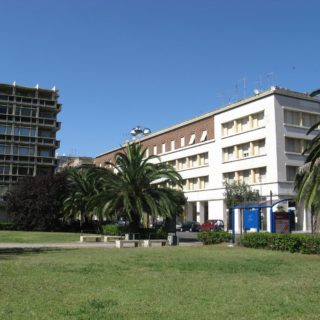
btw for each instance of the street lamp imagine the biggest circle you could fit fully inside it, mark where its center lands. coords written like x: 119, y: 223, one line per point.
x: 139, y: 132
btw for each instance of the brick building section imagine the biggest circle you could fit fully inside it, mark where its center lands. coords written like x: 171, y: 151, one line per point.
x: 175, y: 134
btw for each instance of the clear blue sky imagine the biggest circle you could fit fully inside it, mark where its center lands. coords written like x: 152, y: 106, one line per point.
x: 154, y: 63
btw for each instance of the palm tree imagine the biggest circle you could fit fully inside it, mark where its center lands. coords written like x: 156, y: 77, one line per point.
x: 83, y: 185
x: 307, y: 182
x: 137, y: 185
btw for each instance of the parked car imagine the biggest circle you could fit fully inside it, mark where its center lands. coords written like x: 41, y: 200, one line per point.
x: 212, y: 225
x: 122, y: 223
x: 178, y: 226
x: 192, y: 226
x: 157, y: 224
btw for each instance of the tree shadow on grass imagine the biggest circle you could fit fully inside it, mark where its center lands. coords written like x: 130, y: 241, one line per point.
x: 11, y: 253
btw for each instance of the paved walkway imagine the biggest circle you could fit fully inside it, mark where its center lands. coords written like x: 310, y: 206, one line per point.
x: 75, y: 245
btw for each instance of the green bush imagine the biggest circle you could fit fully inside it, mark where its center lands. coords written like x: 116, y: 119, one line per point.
x: 308, y: 244
x: 111, y: 230
x: 214, y: 237
x: 147, y: 233
x: 6, y: 226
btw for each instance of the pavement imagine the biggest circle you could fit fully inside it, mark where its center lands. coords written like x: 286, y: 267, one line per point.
x: 187, y: 239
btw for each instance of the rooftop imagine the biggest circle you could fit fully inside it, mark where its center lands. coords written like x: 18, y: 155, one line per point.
x: 259, y: 95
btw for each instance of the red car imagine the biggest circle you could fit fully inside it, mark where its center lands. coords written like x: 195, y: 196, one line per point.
x: 212, y: 225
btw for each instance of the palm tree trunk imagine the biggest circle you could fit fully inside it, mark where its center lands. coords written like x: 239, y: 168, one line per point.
x: 134, y: 223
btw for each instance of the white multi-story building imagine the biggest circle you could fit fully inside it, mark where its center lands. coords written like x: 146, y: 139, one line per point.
x: 258, y: 140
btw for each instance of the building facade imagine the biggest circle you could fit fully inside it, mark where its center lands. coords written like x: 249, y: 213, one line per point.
x: 65, y: 162
x: 28, y: 127
x: 258, y: 140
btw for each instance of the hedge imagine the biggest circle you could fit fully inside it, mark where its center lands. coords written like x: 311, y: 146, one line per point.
x: 114, y: 230
x: 6, y: 226
x: 214, y: 237
x: 308, y: 244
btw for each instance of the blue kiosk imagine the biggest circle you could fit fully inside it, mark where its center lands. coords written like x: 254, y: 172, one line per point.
x: 249, y: 214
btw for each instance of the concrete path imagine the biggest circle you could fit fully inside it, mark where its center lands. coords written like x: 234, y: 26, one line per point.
x: 75, y: 245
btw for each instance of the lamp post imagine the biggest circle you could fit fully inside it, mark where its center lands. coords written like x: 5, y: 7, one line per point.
x: 139, y: 132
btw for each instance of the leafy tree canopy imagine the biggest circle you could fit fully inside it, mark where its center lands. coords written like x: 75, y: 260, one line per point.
x: 35, y: 203
x: 239, y: 192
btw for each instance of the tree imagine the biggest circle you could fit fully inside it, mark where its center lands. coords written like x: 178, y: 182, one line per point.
x: 137, y: 185
x: 82, y: 186
x: 35, y: 203
x: 239, y: 192
x: 307, y: 182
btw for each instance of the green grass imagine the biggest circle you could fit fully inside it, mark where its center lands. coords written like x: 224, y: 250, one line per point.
x: 37, y: 237
x: 160, y: 283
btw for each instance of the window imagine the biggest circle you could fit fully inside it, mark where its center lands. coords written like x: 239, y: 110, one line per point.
x: 3, y: 109
x: 246, y: 176
x: 172, y: 145
x: 154, y: 150
x: 260, y: 117
x: 245, y: 150
x: 22, y: 171
x: 244, y: 124
x: 203, y: 159
x: 292, y: 117
x: 44, y: 153
x: 182, y: 164
x: 203, y: 182
x: 4, y: 169
x: 23, y: 151
x: 291, y: 172
x: 4, y: 149
x: 23, y: 131
x: 229, y: 177
x: 184, y: 185
x: 228, y: 154
x: 261, y: 146
x: 261, y: 174
x: 46, y: 115
x: 193, y: 183
x: 172, y: 163
x: 5, y: 129
x: 206, y: 158
x: 305, y: 144
x: 307, y: 120
x: 182, y: 142
x: 25, y: 112
x: 147, y: 152
x: 163, y: 148
x: 192, y: 161
x: 45, y: 133
x: 204, y: 136
x: 192, y: 138
x: 293, y: 145
x: 227, y: 129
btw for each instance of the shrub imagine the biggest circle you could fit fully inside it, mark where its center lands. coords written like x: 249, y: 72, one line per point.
x: 6, y: 226
x: 308, y: 244
x: 144, y: 233
x: 111, y: 230
x: 214, y: 237
x: 151, y: 233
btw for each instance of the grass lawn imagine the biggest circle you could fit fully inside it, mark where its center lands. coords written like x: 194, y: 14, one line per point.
x: 37, y: 237
x: 213, y: 282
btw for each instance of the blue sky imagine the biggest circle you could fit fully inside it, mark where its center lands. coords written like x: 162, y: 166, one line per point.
x: 154, y: 63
